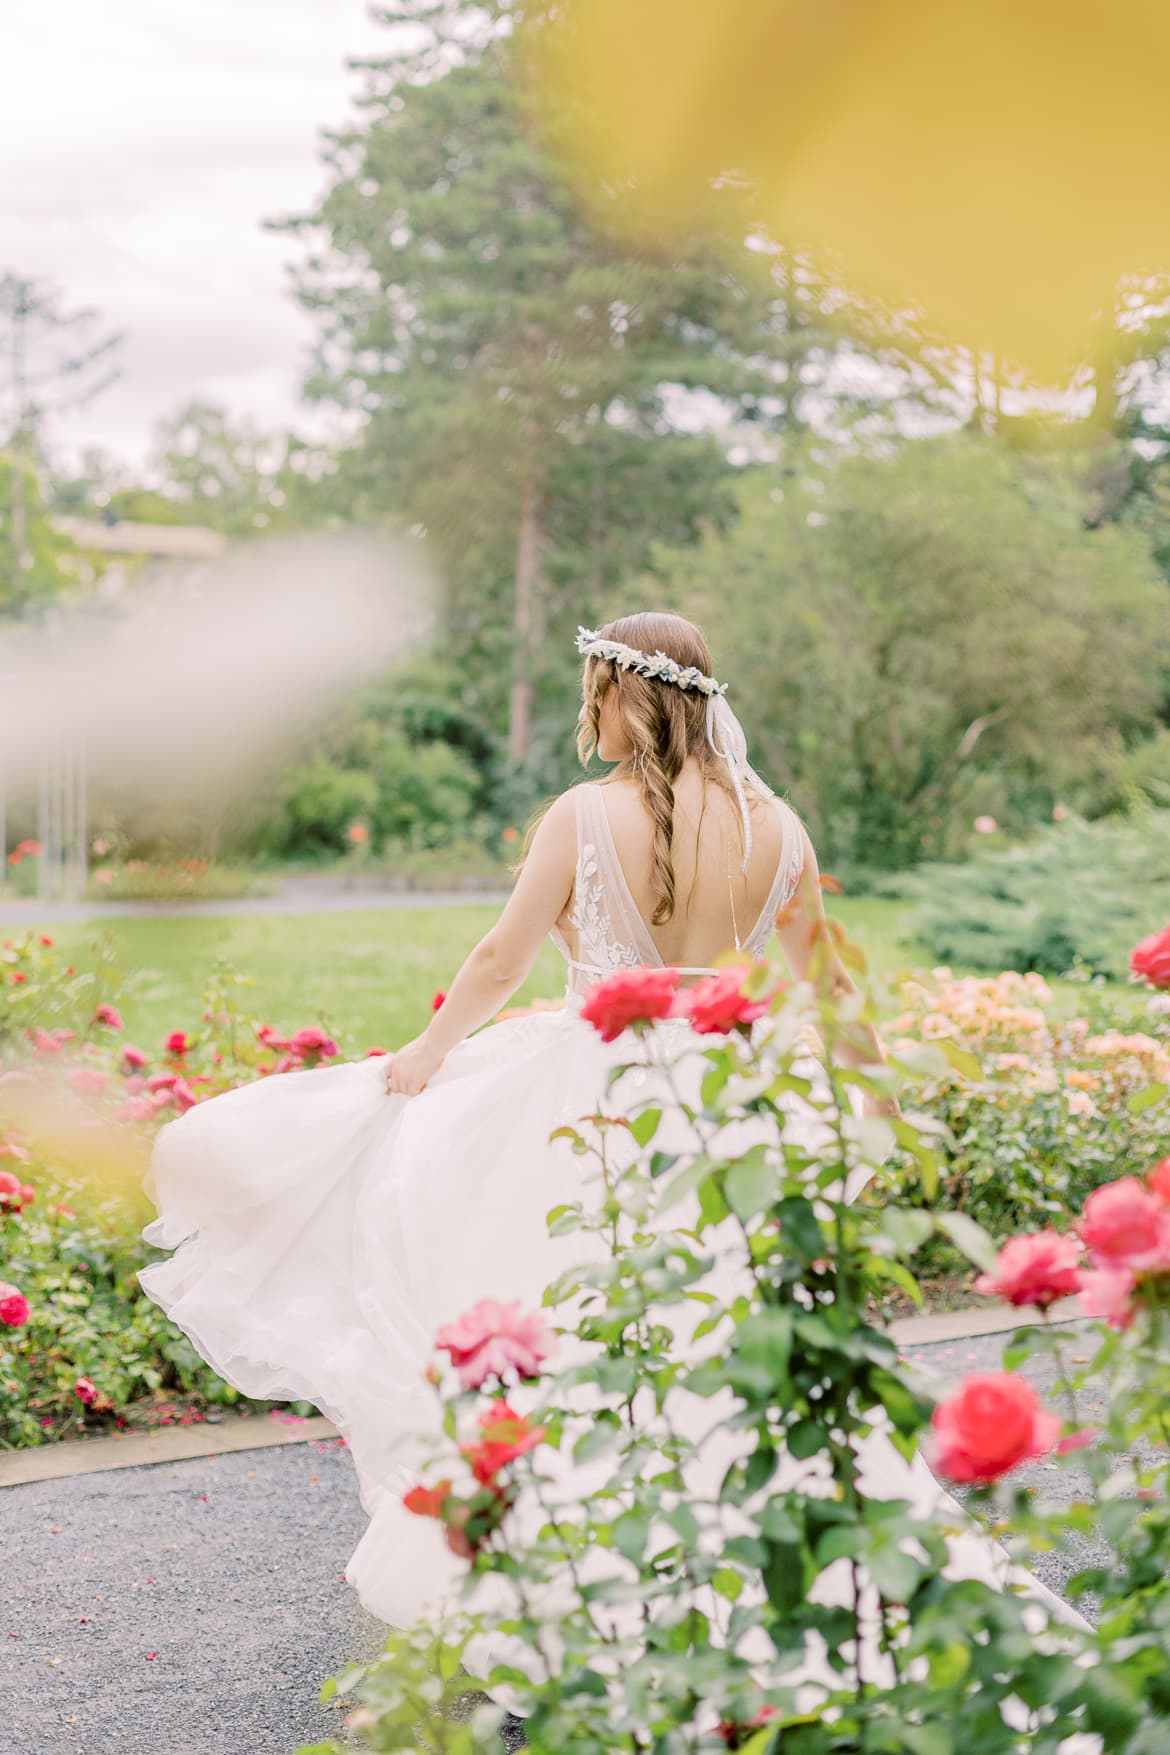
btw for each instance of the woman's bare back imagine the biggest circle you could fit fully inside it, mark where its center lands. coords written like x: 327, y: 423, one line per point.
x: 714, y: 900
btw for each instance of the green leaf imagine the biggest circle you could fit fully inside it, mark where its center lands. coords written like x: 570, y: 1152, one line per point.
x: 805, y: 1438
x: 882, y: 1269
x: 960, y: 1058
x: 645, y: 1126
x: 895, y: 1574
x: 728, y: 1583
x: 604, y: 1435
x: 971, y: 1238
x: 750, y: 1186
x: 799, y: 1226
x: 630, y: 1532
x: 1139, y: 1101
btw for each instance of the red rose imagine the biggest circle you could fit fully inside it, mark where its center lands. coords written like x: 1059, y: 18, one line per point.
x: 490, y: 1339
x: 437, y: 999
x: 85, y: 1391
x: 45, y: 939
x: 1124, y: 1225
x: 504, y: 1436
x: 1151, y: 958
x: 14, y: 1306
x: 630, y: 998
x: 177, y: 1042
x: 1035, y: 1269
x: 718, y: 1003
x: 427, y: 1501
x: 991, y: 1425
x: 17, y: 976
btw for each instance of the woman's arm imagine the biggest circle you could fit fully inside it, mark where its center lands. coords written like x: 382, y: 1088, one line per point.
x: 811, y: 953
x: 502, y: 959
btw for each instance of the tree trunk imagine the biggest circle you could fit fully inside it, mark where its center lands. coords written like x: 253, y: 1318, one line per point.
x: 527, y: 620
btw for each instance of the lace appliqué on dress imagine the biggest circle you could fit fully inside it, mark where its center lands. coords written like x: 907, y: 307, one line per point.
x: 598, y: 942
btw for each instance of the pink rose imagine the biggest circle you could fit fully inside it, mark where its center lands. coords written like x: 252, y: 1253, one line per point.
x: 10, y: 1192
x: 161, y: 1081
x: 266, y: 1034
x: 1151, y: 958
x: 1124, y: 1225
x: 991, y: 1425
x: 44, y: 1042
x: 183, y: 1096
x: 107, y: 1014
x: 137, y: 1109
x: 85, y: 1391
x: 313, y: 1040
x: 1037, y: 1268
x: 490, y: 1339
x: 1158, y: 1180
x: 718, y: 1003
x: 628, y: 999
x: 14, y: 1306
x: 132, y: 1058
x: 1107, y: 1295
x: 87, y: 1078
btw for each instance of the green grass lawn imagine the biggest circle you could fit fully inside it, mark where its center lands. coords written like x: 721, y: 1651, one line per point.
x: 368, y: 975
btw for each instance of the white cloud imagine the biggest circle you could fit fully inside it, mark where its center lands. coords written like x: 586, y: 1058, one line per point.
x: 144, y: 147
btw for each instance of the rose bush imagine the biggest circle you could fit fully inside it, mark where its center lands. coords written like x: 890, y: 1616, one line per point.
x: 81, y: 1348
x: 1035, y: 1110
x: 641, y: 1601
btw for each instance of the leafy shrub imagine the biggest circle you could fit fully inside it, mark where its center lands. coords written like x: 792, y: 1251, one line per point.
x: 1036, y: 1111
x: 78, y: 1108
x: 1079, y: 893
x: 89, y: 1322
x: 425, y: 795
x: 319, y: 804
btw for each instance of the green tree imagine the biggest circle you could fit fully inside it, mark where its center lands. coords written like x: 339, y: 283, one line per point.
x: 543, y: 400
x: 922, y: 636
x: 223, y: 471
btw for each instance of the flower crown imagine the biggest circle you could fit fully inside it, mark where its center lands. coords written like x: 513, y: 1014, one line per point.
x: 657, y: 664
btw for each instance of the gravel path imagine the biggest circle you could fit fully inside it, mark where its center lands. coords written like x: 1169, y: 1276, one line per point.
x: 228, y: 1570
x: 294, y: 895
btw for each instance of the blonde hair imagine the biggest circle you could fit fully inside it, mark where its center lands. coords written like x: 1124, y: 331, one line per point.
x: 664, y: 725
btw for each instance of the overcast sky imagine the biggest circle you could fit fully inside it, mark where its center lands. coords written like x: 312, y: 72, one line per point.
x: 142, y: 143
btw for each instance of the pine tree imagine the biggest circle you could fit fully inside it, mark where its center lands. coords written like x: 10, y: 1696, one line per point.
x: 545, y: 401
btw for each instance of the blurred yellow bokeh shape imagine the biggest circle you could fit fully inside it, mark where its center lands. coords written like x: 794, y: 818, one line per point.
x: 998, y: 165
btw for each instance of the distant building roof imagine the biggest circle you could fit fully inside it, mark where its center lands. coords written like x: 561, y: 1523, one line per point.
x: 187, y: 541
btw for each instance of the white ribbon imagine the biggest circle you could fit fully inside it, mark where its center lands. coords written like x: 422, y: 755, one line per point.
x: 728, y: 739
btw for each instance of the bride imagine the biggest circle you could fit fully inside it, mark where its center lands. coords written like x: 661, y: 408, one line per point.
x: 326, y: 1224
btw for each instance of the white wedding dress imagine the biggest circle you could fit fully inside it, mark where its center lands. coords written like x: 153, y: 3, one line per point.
x: 323, y: 1230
